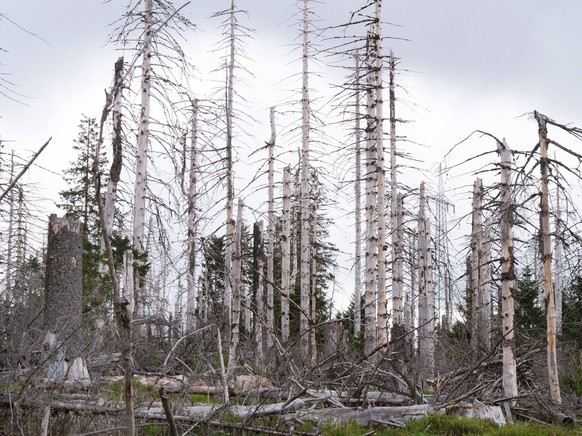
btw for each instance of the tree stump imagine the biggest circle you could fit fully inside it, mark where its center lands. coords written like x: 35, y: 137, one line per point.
x: 64, y: 303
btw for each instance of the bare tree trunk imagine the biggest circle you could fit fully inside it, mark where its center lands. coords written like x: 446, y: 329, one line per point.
x: 559, y: 267
x: 553, y: 379
x: 142, y: 149
x: 476, y: 241
x: 259, y: 265
x: 371, y: 229
x: 117, y: 143
x: 236, y: 296
x: 396, y: 219
x: 192, y: 224
x: 271, y: 234
x: 425, y: 297
x: 485, y: 288
x: 382, y: 309
x: 410, y: 306
x: 358, y: 206
x: 230, y: 224
x: 313, y: 312
x: 507, y: 274
x: 286, y: 255
x: 305, y: 243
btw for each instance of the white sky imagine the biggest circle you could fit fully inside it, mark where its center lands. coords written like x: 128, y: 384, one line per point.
x: 470, y: 65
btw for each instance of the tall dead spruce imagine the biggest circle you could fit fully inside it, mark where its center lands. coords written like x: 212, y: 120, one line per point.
x: 506, y: 218
x: 553, y: 378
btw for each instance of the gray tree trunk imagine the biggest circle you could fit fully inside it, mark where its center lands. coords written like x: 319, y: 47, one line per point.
x: 553, y: 379
x: 286, y: 255
x: 381, y: 198
x: 192, y: 224
x: 305, y: 226
x: 271, y: 233
x: 507, y: 274
x: 426, y: 343
x: 358, y: 206
x: 371, y: 228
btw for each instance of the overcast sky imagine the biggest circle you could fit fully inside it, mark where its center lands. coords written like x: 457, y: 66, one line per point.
x: 466, y: 65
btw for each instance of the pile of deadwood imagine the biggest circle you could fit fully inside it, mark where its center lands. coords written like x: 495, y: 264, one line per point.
x: 369, y: 393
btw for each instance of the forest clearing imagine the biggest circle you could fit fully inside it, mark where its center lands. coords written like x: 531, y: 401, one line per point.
x: 322, y: 279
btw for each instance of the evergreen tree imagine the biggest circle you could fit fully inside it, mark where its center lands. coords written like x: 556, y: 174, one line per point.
x: 79, y: 203
x: 529, y: 317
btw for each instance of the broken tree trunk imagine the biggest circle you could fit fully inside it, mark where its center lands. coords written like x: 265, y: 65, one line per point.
x: 64, y: 303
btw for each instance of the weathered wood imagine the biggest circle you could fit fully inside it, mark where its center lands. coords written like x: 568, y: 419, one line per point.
x: 168, y: 411
x: 553, y: 379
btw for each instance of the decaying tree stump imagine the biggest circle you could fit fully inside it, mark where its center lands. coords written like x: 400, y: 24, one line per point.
x: 63, y: 303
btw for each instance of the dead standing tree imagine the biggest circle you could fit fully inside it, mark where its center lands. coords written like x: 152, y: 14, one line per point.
x: 64, y: 302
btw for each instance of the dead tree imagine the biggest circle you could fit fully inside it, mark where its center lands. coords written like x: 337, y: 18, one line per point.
x: 506, y: 218
x: 426, y: 340
x: 371, y: 228
x: 271, y: 232
x: 553, y: 378
x: 286, y: 255
x: 64, y: 302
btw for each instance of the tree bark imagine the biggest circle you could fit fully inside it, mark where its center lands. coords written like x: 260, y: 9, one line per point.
x: 64, y: 302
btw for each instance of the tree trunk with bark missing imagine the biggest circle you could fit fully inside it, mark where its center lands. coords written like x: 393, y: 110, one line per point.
x: 271, y: 233
x: 485, y: 288
x: 507, y: 274
x: 396, y: 213
x: 381, y: 198
x: 230, y: 224
x: 476, y: 242
x: 305, y: 226
x: 371, y: 228
x: 313, y: 307
x: 426, y: 340
x: 358, y: 205
x: 117, y: 145
x: 258, y: 271
x: 192, y: 223
x: 558, y: 264
x: 236, y: 296
x: 286, y: 255
x: 142, y: 149
x: 553, y: 379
